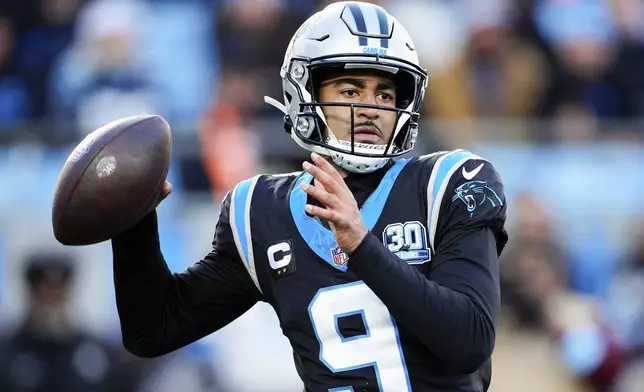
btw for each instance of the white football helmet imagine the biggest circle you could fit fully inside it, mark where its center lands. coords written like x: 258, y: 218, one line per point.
x: 350, y: 35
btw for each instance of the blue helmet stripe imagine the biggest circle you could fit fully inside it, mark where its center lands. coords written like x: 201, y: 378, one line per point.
x: 361, y: 26
x: 384, y: 26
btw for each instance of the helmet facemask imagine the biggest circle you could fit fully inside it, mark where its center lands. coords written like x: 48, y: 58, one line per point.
x: 309, y: 126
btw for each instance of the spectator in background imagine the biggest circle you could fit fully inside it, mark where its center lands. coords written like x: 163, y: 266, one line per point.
x: 562, y: 340
x: 44, y: 29
x: 14, y: 96
x: 596, y: 69
x: 252, y: 36
x: 100, y: 78
x: 628, y: 16
x: 48, y: 352
x: 625, y: 307
x: 479, y: 67
x: 501, y: 73
x: 229, y: 152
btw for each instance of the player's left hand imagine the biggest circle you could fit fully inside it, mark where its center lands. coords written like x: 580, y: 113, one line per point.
x: 341, y: 210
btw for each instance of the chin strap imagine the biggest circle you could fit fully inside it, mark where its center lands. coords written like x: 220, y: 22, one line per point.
x: 275, y: 103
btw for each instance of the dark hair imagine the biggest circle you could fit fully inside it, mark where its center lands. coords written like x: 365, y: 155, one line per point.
x: 49, y: 267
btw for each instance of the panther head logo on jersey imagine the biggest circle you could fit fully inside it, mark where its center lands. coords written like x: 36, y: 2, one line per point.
x: 476, y: 193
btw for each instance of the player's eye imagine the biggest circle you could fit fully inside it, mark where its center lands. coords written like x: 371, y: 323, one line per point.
x: 349, y: 93
x: 386, y: 96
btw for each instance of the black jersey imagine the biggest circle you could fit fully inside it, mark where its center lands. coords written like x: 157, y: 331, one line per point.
x: 413, y: 308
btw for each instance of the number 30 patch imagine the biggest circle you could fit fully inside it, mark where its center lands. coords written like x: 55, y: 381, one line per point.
x: 408, y: 241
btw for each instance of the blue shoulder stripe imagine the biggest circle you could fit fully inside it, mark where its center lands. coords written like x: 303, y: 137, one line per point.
x: 442, y: 173
x: 240, y: 205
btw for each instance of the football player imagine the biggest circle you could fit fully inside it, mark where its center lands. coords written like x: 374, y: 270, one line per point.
x: 383, y: 272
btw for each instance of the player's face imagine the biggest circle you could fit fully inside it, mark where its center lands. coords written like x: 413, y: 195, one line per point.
x: 372, y: 126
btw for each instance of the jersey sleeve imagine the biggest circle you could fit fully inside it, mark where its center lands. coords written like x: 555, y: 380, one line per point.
x: 160, y: 311
x: 465, y: 193
x: 450, y: 308
x: 467, y: 208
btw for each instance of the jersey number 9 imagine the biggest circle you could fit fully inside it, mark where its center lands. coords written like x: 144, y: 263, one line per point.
x: 378, y: 347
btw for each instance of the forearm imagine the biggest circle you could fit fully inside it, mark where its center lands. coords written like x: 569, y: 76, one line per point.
x: 452, y: 325
x: 142, y: 282
x: 161, y: 311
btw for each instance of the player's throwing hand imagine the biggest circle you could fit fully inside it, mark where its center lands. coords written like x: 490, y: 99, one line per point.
x: 165, y: 192
x: 341, y: 210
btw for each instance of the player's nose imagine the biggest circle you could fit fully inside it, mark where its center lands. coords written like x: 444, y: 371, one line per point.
x: 368, y: 112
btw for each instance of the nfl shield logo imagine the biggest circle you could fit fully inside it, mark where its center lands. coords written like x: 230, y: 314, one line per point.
x: 339, y: 257
x: 82, y: 148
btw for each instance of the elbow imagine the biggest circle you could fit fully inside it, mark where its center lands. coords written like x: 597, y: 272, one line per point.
x: 466, y: 352
x: 472, y: 343
x: 475, y: 359
x: 479, y: 339
x: 479, y: 349
x: 467, y: 360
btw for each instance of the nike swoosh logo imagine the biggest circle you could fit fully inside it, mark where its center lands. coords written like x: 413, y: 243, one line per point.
x: 469, y: 175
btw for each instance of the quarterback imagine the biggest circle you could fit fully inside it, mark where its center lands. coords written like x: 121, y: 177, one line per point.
x: 382, y: 270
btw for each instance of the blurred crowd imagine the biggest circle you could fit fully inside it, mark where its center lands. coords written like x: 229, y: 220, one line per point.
x: 47, y: 351
x: 530, y: 72
x: 72, y: 65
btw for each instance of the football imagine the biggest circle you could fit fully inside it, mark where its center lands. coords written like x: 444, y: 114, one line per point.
x: 111, y: 180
